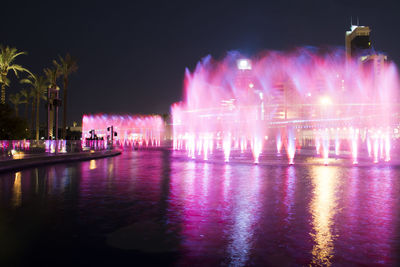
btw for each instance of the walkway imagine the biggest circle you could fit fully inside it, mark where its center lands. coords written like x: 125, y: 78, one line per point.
x: 34, y: 160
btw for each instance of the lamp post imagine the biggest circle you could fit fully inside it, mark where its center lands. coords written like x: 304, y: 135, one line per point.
x: 53, y: 103
x: 111, y: 130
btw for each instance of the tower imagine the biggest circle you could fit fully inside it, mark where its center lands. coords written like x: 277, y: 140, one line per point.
x: 357, y: 41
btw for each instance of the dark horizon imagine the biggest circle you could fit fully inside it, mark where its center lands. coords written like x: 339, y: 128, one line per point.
x: 132, y: 57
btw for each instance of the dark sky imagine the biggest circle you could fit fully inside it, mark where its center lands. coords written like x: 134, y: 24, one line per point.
x: 132, y: 54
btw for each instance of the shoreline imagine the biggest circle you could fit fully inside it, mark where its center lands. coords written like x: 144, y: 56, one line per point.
x: 19, y: 164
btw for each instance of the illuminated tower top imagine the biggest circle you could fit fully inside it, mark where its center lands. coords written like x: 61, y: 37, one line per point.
x: 357, y: 40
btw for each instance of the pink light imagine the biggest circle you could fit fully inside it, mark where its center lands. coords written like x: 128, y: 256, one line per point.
x: 376, y: 147
x: 257, y: 148
x: 387, y: 147
x: 290, y: 145
x: 278, y: 143
x: 298, y: 91
x: 354, y: 144
x: 227, y: 146
x: 317, y: 144
x: 326, y: 146
x: 132, y: 130
x: 337, y: 146
x: 369, y: 148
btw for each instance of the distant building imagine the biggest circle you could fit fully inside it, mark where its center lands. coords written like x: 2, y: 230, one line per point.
x: 358, y: 46
x: 358, y: 41
x: 74, y: 132
x: 75, y: 127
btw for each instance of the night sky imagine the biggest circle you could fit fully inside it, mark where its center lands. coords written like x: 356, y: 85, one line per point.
x: 132, y: 54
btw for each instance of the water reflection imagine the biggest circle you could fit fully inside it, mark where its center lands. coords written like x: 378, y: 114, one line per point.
x: 36, y: 182
x: 323, y: 209
x: 220, y: 210
x: 226, y: 181
x: 211, y: 213
x: 17, y: 193
x: 92, y: 165
x: 288, y: 198
x: 245, y: 214
x: 378, y: 209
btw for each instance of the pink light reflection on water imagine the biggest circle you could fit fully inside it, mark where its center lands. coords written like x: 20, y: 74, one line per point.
x: 219, y: 211
x: 366, y: 222
x: 234, y: 202
x: 245, y: 215
x: 221, y: 214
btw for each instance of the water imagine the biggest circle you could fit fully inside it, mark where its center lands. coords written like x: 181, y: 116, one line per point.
x: 308, y: 94
x: 159, y: 208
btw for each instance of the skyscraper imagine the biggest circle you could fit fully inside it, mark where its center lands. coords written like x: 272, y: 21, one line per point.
x: 357, y: 41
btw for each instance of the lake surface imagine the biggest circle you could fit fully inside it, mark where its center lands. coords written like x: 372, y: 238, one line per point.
x: 159, y: 208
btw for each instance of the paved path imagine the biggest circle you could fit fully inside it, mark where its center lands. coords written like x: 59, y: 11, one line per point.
x: 42, y: 159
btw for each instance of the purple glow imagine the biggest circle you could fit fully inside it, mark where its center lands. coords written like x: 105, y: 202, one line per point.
x: 294, y: 97
x: 138, y: 131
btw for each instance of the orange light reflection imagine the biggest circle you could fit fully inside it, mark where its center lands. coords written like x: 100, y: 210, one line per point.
x: 323, y: 208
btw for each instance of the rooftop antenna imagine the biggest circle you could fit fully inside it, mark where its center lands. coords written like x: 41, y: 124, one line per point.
x: 358, y: 23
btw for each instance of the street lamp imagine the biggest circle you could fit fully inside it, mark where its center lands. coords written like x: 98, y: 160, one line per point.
x: 53, y: 103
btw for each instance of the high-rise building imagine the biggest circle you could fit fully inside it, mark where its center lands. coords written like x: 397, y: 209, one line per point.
x: 357, y: 41
x: 358, y: 46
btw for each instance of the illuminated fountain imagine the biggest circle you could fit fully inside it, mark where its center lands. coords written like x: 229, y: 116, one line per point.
x: 123, y: 130
x: 287, y: 101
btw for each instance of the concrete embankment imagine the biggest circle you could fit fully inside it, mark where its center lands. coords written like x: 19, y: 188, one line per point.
x: 38, y: 160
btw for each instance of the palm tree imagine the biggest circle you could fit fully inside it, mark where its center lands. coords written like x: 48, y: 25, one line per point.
x: 38, y: 92
x: 66, y: 66
x: 32, y: 94
x: 52, y: 75
x: 25, y: 94
x: 16, y: 100
x: 7, y: 57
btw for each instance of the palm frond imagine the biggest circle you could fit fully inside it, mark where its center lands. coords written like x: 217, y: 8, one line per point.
x: 66, y: 65
x: 19, y: 68
x: 15, y: 99
x: 7, y: 57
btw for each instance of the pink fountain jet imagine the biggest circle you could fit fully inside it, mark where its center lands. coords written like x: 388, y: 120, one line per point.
x: 131, y: 130
x: 287, y: 100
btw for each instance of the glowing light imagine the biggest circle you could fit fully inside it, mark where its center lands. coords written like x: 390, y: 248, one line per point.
x: 17, y: 193
x: 337, y: 144
x: 128, y: 130
x: 92, y: 164
x: 227, y: 146
x: 257, y: 148
x: 325, y: 101
x: 387, y: 148
x: 323, y: 207
x: 244, y: 64
x: 18, y: 155
x: 291, y: 148
x: 278, y: 143
x: 220, y: 113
